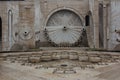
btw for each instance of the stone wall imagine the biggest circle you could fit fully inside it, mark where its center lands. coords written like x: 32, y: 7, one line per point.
x: 3, y: 15
x: 26, y: 21
x: 114, y: 31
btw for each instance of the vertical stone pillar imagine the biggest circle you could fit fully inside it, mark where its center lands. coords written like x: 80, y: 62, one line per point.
x: 38, y: 15
x: 12, y: 19
x: 96, y: 24
x: 38, y: 24
x: 10, y: 26
x: 90, y: 32
x: 105, y: 25
x: 106, y: 22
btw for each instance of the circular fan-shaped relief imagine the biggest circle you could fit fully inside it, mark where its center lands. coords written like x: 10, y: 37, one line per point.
x: 26, y: 33
x: 64, y: 27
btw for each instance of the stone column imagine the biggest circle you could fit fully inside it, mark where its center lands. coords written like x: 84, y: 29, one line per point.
x: 90, y: 29
x: 10, y: 26
x: 38, y: 15
x: 3, y: 15
x: 38, y: 23
x: 13, y: 18
x: 96, y: 24
x: 105, y: 23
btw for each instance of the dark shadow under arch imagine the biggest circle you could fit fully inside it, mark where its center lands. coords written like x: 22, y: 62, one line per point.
x: 87, y: 20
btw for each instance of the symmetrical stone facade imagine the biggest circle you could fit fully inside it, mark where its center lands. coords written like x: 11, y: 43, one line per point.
x: 24, y: 23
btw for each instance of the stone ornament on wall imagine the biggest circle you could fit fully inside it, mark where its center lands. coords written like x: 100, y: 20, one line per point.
x: 26, y: 33
x: 64, y: 28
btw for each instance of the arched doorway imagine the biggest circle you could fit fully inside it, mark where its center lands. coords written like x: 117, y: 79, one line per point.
x: 64, y: 28
x: 0, y: 33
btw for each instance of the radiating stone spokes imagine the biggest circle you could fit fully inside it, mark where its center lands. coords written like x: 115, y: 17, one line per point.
x: 64, y: 28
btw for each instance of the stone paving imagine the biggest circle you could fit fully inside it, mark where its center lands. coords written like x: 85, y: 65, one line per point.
x: 53, y: 65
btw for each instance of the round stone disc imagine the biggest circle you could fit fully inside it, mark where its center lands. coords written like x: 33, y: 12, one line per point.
x: 64, y: 28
